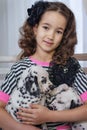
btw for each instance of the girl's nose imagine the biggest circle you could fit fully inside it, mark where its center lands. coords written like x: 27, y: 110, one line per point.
x: 51, y: 35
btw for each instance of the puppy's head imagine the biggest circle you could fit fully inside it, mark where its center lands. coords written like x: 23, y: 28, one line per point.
x: 44, y: 82
x: 35, y: 80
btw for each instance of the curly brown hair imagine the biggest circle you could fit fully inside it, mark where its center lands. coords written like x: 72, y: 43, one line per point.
x: 65, y: 50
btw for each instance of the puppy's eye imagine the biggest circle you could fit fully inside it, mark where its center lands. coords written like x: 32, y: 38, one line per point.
x: 43, y: 80
x: 33, y: 89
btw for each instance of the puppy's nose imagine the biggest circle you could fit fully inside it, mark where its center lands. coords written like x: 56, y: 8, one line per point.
x: 51, y: 87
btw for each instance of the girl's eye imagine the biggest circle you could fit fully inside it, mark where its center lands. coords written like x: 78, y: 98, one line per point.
x: 45, y: 27
x: 59, y: 32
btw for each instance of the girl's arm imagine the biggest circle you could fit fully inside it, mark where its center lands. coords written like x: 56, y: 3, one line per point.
x: 40, y: 114
x: 8, y: 123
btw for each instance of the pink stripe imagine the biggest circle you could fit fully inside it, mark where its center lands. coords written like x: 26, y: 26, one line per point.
x: 63, y: 127
x: 39, y: 62
x: 84, y: 96
x: 4, y: 97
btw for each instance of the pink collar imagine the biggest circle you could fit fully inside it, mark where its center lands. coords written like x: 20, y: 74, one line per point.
x: 41, y: 63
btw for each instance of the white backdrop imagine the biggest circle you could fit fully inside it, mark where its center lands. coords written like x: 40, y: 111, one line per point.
x: 13, y: 14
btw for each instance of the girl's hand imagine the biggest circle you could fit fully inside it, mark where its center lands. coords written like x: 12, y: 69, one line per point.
x: 35, y: 115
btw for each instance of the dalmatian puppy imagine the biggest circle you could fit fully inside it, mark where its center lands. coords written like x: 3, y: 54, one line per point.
x: 65, y: 97
x: 32, y: 87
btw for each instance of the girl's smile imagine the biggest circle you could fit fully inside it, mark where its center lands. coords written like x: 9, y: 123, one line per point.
x: 48, y: 43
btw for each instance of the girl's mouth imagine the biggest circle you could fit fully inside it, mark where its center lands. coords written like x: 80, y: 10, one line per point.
x: 48, y: 42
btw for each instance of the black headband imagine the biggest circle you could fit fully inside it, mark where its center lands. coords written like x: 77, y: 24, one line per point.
x: 36, y: 11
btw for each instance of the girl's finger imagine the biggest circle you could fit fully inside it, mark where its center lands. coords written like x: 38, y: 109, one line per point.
x: 25, y: 110
x: 29, y: 123
x: 24, y: 115
x: 25, y: 118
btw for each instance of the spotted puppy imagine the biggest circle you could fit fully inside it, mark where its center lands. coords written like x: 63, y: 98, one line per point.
x: 32, y: 87
x: 64, y: 97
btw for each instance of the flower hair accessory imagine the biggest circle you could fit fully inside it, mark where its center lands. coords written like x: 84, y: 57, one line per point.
x: 36, y: 11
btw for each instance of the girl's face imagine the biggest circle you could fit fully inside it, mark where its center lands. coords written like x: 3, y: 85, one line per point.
x: 49, y: 32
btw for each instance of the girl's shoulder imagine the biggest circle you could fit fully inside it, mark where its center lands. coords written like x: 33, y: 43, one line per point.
x: 73, y: 63
x: 23, y: 61
x: 22, y: 64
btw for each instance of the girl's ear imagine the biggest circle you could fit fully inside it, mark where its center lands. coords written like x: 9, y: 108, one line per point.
x: 35, y: 29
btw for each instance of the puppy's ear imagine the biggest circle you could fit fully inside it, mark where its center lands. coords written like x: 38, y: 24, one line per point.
x: 36, y: 80
x: 73, y: 104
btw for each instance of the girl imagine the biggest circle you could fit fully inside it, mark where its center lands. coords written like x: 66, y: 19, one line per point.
x: 48, y: 40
